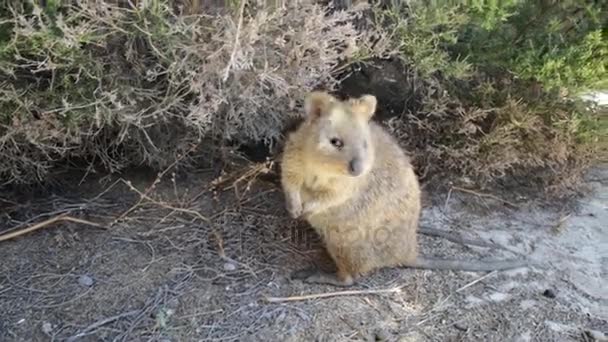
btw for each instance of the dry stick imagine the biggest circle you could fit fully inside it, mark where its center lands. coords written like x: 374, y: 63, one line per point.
x: 473, y: 192
x: 62, y: 217
x: 91, y: 328
x: 440, y: 304
x: 77, y: 220
x: 157, y: 180
x: 331, y: 294
x: 475, y: 281
x: 182, y: 210
x: 166, y: 205
x: 35, y: 218
x: 238, y: 176
x: 251, y: 173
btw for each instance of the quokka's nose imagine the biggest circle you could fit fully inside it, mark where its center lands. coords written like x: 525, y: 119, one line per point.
x: 355, y: 167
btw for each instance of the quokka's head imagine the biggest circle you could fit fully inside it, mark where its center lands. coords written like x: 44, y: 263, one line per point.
x: 341, y: 140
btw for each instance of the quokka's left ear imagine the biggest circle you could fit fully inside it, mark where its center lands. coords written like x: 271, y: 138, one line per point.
x: 317, y: 103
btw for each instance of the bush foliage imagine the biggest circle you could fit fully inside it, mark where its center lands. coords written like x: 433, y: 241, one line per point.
x: 495, y: 79
x: 119, y: 83
x: 123, y: 85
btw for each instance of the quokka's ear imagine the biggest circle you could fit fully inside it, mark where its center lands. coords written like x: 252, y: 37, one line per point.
x: 364, y: 106
x: 316, y: 104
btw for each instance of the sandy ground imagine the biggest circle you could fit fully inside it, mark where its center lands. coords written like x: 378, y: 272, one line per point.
x: 188, y: 267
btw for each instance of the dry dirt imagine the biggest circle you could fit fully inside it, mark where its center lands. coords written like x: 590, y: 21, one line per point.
x: 196, y: 266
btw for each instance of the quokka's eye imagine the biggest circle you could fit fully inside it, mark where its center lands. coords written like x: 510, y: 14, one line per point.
x: 336, y: 142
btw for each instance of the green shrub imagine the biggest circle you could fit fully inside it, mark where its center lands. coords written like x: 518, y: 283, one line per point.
x: 561, y: 44
x: 493, y: 79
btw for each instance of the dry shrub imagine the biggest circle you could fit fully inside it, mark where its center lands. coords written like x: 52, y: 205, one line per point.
x: 268, y: 64
x: 121, y: 85
x: 489, y: 131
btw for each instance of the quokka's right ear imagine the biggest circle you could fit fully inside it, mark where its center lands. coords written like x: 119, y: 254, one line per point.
x: 316, y: 104
x: 364, y: 106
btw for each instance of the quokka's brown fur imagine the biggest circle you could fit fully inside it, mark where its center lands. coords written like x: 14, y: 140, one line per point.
x: 350, y: 179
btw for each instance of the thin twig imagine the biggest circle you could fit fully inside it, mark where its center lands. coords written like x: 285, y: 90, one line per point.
x: 236, y: 41
x: 476, y: 281
x: 440, y: 304
x: 560, y: 224
x: 473, y: 192
x: 150, y: 306
x: 91, y: 328
x: 249, y: 175
x: 331, y: 294
x: 157, y: 180
x: 81, y: 221
x: 447, y: 200
x: 45, y: 223
x: 165, y: 205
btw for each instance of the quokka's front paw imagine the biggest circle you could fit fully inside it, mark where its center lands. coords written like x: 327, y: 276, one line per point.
x: 294, y: 208
x: 309, y: 208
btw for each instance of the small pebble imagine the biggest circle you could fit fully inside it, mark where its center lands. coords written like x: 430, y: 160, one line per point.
x: 461, y: 327
x: 381, y: 335
x: 229, y: 266
x: 549, y: 293
x: 596, y: 335
x: 85, y: 280
x: 47, y: 328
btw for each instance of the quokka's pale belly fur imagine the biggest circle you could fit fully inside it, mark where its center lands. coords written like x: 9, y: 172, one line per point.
x: 372, y: 225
